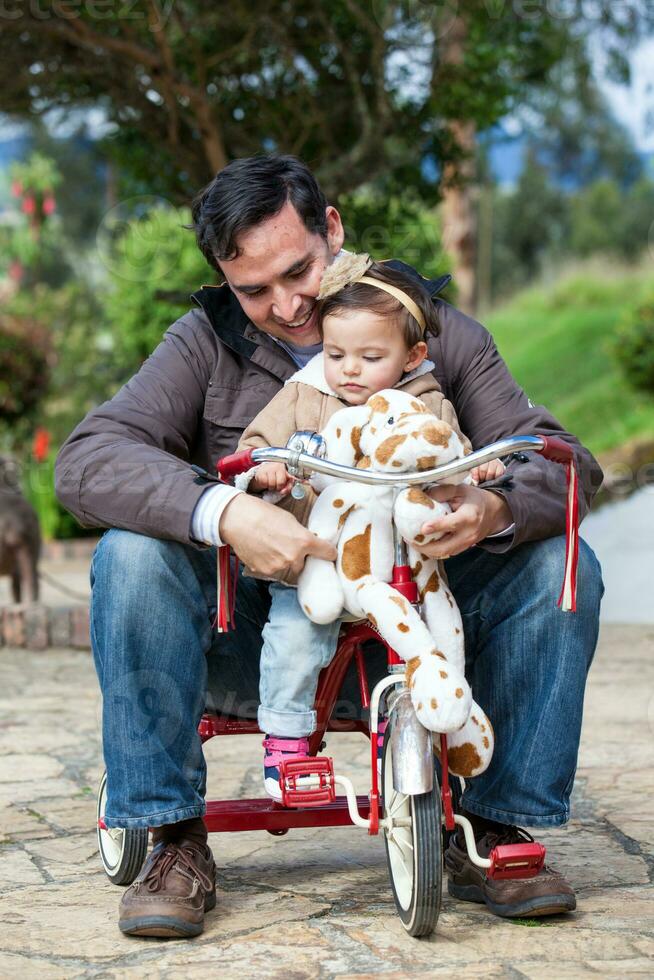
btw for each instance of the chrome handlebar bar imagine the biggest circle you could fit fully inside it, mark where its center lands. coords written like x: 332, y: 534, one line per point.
x: 301, y: 464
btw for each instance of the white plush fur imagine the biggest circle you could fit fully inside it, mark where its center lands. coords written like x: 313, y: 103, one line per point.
x: 395, y: 432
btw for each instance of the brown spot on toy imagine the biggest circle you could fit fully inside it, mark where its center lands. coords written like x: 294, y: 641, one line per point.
x: 415, y: 569
x: 356, y: 555
x: 372, y: 620
x: 401, y: 602
x: 338, y: 502
x: 338, y: 433
x: 463, y: 759
x: 443, y: 673
x: 459, y: 692
x: 355, y: 439
x: 419, y: 538
x: 363, y: 463
x: 378, y: 404
x: 486, y: 742
x: 411, y: 667
x: 431, y: 585
x: 425, y: 463
x: 386, y: 449
x: 418, y: 496
x: 403, y: 628
x: 436, y: 433
x: 419, y: 407
x: 396, y: 463
x: 434, y: 703
x: 344, y: 516
x: 474, y: 720
x: 307, y: 609
x: 457, y: 630
x: 437, y: 653
x: 419, y: 706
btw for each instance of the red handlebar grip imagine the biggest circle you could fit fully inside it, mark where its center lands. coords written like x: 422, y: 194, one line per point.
x: 556, y: 450
x: 235, y: 463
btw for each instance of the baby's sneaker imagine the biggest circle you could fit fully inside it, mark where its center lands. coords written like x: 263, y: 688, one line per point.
x: 278, y: 749
x: 381, y: 733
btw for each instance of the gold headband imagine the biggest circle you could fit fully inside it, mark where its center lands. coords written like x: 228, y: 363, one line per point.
x: 350, y: 268
x: 400, y: 295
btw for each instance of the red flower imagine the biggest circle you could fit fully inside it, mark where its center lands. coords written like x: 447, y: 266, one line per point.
x: 41, y: 445
x: 29, y: 205
x: 16, y: 188
x: 48, y: 205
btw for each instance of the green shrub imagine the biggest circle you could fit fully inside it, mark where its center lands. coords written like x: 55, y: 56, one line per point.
x: 154, y: 266
x: 24, y: 370
x: 395, y: 226
x: 634, y: 346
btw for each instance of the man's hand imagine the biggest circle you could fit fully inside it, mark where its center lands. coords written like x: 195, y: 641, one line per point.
x: 272, y: 476
x: 267, y: 539
x: 475, y: 514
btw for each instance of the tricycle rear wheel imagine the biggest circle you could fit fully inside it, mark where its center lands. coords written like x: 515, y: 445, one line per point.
x: 413, y: 850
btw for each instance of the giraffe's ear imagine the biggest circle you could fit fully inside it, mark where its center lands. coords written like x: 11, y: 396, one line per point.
x: 342, y: 434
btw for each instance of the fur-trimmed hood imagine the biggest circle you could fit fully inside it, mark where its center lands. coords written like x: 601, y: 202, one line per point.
x: 313, y: 374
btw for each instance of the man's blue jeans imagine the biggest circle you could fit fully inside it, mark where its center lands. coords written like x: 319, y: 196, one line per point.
x: 159, y: 663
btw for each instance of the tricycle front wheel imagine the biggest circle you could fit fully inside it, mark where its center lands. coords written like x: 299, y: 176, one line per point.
x: 413, y: 849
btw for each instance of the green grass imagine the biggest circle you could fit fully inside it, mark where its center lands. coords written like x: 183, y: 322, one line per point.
x: 557, y: 343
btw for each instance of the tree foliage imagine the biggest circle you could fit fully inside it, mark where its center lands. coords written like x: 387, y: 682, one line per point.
x: 356, y: 87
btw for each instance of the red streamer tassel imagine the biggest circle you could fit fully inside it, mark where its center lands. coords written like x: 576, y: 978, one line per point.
x: 226, y: 577
x: 568, y: 598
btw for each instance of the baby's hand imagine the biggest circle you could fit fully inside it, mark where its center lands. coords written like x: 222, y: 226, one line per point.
x: 487, y: 471
x: 272, y: 476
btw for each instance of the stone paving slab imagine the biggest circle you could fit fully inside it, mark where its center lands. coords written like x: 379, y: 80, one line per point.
x: 315, y: 903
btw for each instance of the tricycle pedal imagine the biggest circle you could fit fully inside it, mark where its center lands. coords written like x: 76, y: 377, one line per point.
x: 516, y: 860
x: 292, y: 771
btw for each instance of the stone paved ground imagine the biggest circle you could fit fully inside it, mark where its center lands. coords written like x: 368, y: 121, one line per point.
x: 312, y: 904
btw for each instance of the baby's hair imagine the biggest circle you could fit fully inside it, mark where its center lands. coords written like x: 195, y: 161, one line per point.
x: 362, y: 296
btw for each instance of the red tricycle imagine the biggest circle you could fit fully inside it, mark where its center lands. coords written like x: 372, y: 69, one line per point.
x: 405, y: 803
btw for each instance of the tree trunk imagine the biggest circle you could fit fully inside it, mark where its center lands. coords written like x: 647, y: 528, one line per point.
x: 459, y: 205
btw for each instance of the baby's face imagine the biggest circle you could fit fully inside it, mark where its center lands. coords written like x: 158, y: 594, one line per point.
x: 365, y: 353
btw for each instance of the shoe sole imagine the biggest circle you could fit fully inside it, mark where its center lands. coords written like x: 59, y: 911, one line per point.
x: 530, y: 908
x: 165, y: 926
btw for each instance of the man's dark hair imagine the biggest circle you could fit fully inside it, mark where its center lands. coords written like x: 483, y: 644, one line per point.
x: 247, y: 192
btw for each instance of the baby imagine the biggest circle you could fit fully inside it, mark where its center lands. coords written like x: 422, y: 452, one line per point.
x: 373, y: 322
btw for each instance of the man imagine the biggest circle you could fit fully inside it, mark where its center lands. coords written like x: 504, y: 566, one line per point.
x: 265, y: 226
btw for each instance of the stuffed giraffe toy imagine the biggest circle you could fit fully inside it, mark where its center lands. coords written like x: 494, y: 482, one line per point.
x: 394, y: 432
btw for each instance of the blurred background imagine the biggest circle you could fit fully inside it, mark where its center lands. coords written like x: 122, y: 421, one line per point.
x: 508, y: 142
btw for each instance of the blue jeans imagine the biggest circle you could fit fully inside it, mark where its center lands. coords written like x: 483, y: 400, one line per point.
x: 293, y: 653
x: 159, y: 663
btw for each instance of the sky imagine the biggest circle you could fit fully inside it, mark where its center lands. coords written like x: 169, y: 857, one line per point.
x: 631, y: 105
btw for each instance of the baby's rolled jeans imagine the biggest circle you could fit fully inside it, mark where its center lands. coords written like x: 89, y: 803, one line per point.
x: 294, y: 652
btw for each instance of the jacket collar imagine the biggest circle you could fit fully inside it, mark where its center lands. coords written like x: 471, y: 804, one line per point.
x: 231, y: 325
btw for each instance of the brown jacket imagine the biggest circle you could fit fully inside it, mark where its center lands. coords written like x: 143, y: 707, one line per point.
x: 126, y: 464
x: 305, y: 402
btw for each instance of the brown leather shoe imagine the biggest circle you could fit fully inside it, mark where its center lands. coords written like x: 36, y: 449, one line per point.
x: 548, y: 893
x: 173, y: 891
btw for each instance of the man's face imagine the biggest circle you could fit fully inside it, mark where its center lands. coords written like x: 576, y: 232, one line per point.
x: 276, y: 276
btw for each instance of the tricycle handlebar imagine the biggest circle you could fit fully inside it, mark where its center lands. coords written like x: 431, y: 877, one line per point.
x: 302, y: 463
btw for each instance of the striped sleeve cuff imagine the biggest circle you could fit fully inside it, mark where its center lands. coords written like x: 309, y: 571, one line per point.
x: 499, y: 534
x: 205, y: 519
